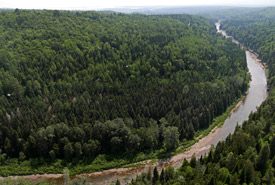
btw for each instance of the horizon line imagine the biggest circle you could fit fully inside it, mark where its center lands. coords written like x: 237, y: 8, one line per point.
x: 140, y: 6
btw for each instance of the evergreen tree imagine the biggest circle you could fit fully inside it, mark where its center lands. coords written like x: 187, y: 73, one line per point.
x: 117, y: 182
x: 193, y: 161
x: 272, y: 147
x: 68, y: 150
x: 155, y: 176
x: 162, y: 177
x: 262, y: 159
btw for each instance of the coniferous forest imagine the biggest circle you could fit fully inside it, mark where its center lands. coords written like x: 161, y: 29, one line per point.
x: 79, y: 85
x: 248, y: 155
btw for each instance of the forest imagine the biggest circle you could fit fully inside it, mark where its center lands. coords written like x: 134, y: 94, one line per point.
x: 248, y: 155
x: 81, y: 85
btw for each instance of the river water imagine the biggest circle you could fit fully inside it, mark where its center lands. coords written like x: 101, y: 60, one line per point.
x: 256, y: 94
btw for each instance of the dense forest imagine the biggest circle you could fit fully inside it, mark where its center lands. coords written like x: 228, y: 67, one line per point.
x: 80, y: 84
x: 248, y: 155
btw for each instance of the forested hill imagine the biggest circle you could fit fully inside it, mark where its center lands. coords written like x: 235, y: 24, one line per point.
x: 260, y: 33
x: 247, y: 156
x: 79, y: 84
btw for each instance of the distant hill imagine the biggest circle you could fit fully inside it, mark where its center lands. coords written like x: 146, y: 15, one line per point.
x: 194, y: 10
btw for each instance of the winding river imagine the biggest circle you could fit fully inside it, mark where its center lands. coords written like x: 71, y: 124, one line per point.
x: 256, y: 94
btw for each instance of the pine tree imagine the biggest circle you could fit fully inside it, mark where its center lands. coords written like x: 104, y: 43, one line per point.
x: 273, y: 162
x: 155, y: 176
x: 68, y: 150
x: 7, y: 146
x: 206, y: 171
x: 22, y: 156
x: 272, y: 147
x: 234, y: 179
x: 270, y: 177
x: 162, y: 176
x: 212, y: 181
x: 185, y: 163
x: 170, y: 173
x: 262, y: 159
x: 210, y: 156
x: 117, y: 182
x: 193, y: 161
x: 201, y: 160
x: 243, y: 176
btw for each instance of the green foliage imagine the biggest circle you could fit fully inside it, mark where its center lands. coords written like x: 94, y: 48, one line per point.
x: 21, y: 181
x: 193, y: 161
x: 117, y: 182
x: 261, y: 162
x: 66, y: 174
x: 171, y: 137
x: 82, y: 85
x: 22, y: 156
x: 155, y: 176
x: 247, y: 156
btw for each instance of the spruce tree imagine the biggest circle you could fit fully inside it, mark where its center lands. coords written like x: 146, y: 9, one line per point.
x: 155, y: 176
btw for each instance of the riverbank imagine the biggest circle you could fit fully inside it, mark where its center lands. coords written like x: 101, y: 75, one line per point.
x: 200, y: 145
x: 185, y: 150
x: 257, y: 59
x: 254, y: 55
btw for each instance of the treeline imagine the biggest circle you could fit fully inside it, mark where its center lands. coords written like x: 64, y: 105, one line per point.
x: 257, y: 32
x: 79, y: 84
x: 245, y: 157
x: 248, y: 155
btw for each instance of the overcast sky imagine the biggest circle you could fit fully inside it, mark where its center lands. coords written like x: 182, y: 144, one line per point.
x: 98, y: 4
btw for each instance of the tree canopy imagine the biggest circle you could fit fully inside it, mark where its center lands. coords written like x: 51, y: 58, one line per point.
x: 247, y: 156
x: 80, y: 84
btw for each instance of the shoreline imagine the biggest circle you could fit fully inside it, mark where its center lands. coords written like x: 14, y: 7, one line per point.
x: 199, y: 148
x: 175, y: 160
x: 259, y: 61
x: 254, y: 55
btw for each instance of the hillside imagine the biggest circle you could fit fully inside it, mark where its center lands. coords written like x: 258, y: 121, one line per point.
x: 247, y: 156
x: 89, y: 86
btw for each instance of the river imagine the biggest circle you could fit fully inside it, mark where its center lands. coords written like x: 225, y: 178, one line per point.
x: 256, y: 94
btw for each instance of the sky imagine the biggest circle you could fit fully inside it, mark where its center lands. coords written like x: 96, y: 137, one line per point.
x: 101, y: 4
